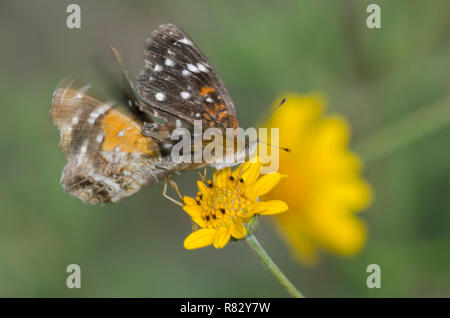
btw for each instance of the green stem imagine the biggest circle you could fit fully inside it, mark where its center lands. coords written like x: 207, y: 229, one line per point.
x: 271, y: 266
x: 401, y: 133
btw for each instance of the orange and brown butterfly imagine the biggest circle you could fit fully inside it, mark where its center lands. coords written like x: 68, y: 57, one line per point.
x: 113, y: 149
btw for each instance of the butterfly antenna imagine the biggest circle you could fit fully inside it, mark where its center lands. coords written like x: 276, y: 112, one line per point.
x: 277, y: 107
x: 272, y: 111
x: 126, y: 77
x: 272, y: 146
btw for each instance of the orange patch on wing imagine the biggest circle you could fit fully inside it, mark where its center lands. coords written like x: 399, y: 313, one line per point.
x: 124, y: 132
x: 206, y: 90
x: 219, y: 107
x: 211, y: 112
x: 222, y: 116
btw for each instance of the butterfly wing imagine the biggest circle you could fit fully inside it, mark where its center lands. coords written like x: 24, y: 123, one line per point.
x: 108, y: 157
x: 177, y: 82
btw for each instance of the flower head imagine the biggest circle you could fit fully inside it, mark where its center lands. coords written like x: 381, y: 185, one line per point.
x: 325, y: 188
x: 226, y: 204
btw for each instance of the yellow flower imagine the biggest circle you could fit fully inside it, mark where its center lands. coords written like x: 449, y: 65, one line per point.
x: 325, y: 188
x: 223, y: 206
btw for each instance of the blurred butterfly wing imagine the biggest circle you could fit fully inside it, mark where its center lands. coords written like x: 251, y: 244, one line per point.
x: 108, y: 157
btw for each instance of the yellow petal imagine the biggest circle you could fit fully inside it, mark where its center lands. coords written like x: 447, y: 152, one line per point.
x: 249, y: 193
x: 215, y: 175
x: 342, y: 234
x: 203, y: 188
x: 193, y: 210
x: 257, y: 208
x: 239, y: 171
x: 296, y: 117
x: 266, y: 183
x: 189, y: 201
x: 333, y: 131
x: 222, y: 176
x: 354, y: 193
x: 238, y: 231
x: 274, y: 207
x: 199, y: 221
x: 251, y: 174
x: 198, y: 239
x: 221, y: 238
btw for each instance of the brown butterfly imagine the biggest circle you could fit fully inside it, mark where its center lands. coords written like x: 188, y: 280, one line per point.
x: 113, y: 149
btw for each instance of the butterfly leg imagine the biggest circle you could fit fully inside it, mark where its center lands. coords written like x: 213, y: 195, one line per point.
x: 175, y: 187
x: 167, y: 180
x: 202, y: 175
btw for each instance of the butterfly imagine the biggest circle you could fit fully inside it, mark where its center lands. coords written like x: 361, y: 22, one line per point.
x: 113, y: 149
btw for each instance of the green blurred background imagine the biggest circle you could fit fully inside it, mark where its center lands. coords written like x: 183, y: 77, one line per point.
x: 261, y: 49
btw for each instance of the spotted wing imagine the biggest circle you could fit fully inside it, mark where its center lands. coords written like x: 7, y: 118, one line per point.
x: 108, y: 157
x: 177, y: 82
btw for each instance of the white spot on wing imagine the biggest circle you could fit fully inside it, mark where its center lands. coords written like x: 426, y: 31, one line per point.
x: 160, y: 96
x: 158, y: 68
x: 99, y: 138
x: 117, y: 148
x: 75, y: 120
x: 209, y: 100
x: 185, y: 95
x: 97, y: 112
x: 92, y: 118
x: 84, y: 146
x: 169, y: 62
x: 193, y: 68
x: 186, y: 73
x: 120, y: 133
x: 202, y: 68
x: 186, y: 41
